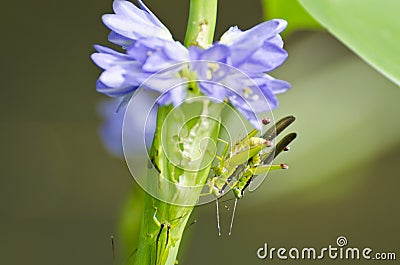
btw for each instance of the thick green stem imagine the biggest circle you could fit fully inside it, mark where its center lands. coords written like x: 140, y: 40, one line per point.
x: 160, y: 246
x: 201, y: 23
x: 175, y: 189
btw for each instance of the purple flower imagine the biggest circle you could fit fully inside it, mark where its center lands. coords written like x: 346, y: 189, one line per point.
x: 233, y: 69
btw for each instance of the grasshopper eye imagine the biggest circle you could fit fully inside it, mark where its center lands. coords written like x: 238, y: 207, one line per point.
x: 266, y: 121
x: 284, y: 166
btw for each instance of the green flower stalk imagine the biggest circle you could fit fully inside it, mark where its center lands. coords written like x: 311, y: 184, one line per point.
x: 201, y: 23
x: 163, y: 222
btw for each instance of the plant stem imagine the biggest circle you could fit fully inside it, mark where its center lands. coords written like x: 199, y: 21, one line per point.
x: 201, y: 23
x: 175, y: 189
x: 164, y: 220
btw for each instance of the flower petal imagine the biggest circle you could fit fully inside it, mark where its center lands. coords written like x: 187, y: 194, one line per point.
x: 175, y: 95
x: 151, y: 16
x: 265, y: 59
x: 162, y: 55
x: 113, y: 92
x: 215, y: 91
x: 163, y: 81
x: 107, y: 58
x: 120, y: 40
x: 113, y: 77
x: 260, y: 32
x: 277, y: 86
x: 243, y: 44
x: 243, y: 107
x: 133, y: 23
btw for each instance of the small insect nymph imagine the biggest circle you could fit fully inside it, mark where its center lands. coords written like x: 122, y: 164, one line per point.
x: 248, y: 158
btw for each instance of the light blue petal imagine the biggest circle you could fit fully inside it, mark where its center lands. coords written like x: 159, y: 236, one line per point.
x: 104, y: 49
x: 113, y: 92
x: 260, y: 32
x: 151, y: 16
x: 230, y: 35
x: 120, y: 40
x: 270, y: 97
x: 133, y: 23
x: 277, y: 86
x: 245, y: 43
x: 277, y: 40
x: 215, y: 91
x: 203, y: 62
x: 128, y: 10
x: 157, y: 62
x: 243, y: 107
x: 163, y: 81
x: 113, y: 77
x: 175, y: 50
x: 123, y: 102
x: 265, y: 59
x: 217, y: 52
x: 157, y: 54
x: 175, y: 95
x: 144, y: 47
x: 107, y: 60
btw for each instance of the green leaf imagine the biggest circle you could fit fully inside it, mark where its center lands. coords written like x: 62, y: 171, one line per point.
x: 368, y: 27
x: 292, y: 12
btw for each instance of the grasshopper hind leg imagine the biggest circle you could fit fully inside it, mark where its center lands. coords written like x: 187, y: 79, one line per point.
x: 157, y: 241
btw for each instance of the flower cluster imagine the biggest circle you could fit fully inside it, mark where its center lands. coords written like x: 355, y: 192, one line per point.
x: 150, y: 49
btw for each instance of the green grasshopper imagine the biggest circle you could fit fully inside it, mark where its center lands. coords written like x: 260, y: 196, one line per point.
x: 247, y: 159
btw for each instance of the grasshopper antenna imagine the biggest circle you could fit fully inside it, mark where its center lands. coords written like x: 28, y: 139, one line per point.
x: 189, y: 225
x: 218, y: 226
x: 113, y: 250
x: 233, y: 216
x: 130, y: 255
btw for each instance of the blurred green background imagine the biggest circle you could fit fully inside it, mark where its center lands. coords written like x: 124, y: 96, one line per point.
x: 62, y: 193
